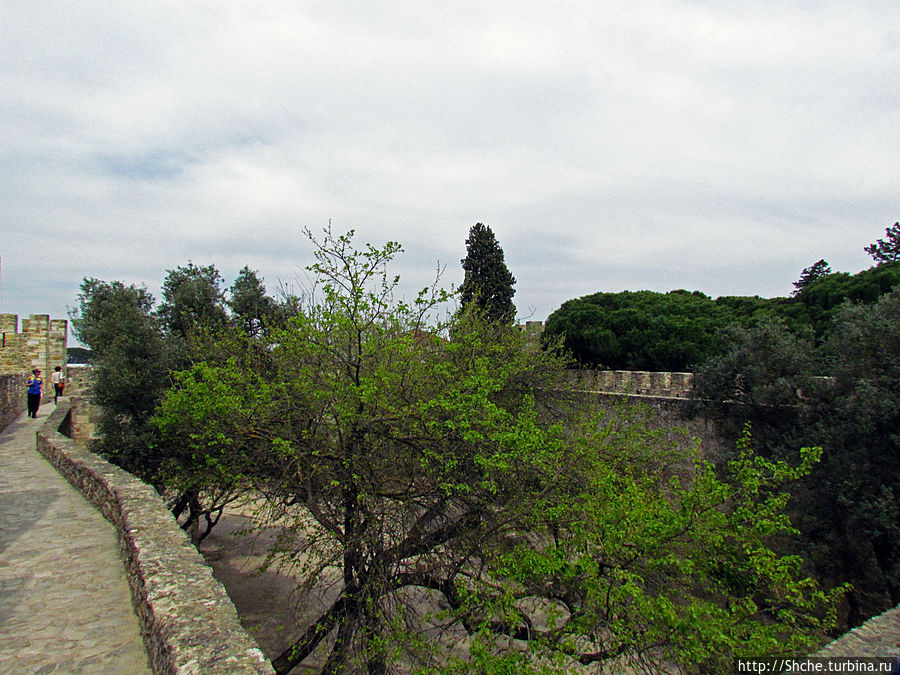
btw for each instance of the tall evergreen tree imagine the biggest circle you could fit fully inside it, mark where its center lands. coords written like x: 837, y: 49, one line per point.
x: 488, y: 282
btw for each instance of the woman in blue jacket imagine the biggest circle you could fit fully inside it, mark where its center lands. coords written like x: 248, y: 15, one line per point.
x: 34, y: 384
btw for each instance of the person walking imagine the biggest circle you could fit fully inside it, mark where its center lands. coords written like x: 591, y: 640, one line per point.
x: 59, y: 383
x: 35, y: 387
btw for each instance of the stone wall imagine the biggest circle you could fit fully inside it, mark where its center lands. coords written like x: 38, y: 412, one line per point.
x: 81, y: 422
x: 188, y: 622
x: 634, y: 382
x: 877, y: 637
x: 79, y: 381
x: 40, y: 344
x: 12, y: 398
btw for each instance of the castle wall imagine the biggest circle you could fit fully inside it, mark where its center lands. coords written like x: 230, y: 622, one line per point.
x: 79, y: 381
x: 12, y: 398
x: 633, y: 382
x: 40, y: 344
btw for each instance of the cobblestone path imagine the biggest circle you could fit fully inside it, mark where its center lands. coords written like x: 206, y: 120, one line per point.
x: 65, y: 606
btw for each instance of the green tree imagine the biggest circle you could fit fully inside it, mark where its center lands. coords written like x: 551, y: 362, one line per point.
x: 887, y: 249
x: 251, y: 308
x: 133, y: 357
x: 845, y: 398
x: 861, y: 416
x: 488, y: 283
x: 640, y: 330
x: 819, y: 302
x: 810, y: 274
x: 192, y: 298
x: 429, y: 476
x: 131, y: 361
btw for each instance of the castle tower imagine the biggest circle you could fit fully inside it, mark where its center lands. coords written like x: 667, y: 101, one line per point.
x: 41, y: 344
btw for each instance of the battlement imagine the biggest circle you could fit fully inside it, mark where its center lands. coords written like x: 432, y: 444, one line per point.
x: 634, y: 383
x: 41, y: 343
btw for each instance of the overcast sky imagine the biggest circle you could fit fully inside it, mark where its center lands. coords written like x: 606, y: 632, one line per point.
x: 712, y: 146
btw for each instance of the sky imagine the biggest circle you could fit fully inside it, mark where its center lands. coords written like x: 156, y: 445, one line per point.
x: 658, y: 145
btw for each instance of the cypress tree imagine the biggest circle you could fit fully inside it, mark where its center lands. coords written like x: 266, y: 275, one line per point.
x: 488, y: 282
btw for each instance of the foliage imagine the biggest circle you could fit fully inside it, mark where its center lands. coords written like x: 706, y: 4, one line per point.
x: 135, y: 351
x: 861, y: 417
x: 847, y: 509
x: 679, y: 331
x: 428, y: 473
x: 887, y: 249
x: 192, y: 298
x: 810, y: 274
x: 641, y: 330
x: 765, y: 365
x: 251, y: 308
x: 78, y: 355
x: 488, y: 283
x: 130, y: 360
x: 819, y: 302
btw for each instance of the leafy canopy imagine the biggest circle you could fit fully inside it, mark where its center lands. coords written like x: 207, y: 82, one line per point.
x: 810, y: 274
x: 848, y: 508
x: 426, y: 476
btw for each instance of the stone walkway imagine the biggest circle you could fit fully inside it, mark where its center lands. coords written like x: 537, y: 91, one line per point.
x: 65, y: 606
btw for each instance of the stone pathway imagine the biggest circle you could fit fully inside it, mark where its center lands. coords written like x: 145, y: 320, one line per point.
x: 65, y: 605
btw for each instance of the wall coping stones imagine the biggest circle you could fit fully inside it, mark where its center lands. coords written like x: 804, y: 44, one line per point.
x: 877, y: 637
x: 189, y: 623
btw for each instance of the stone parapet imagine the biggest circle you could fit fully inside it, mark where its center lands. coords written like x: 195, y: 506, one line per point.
x: 81, y: 423
x: 188, y: 621
x: 12, y: 398
x: 633, y: 382
x: 79, y: 380
x: 877, y: 637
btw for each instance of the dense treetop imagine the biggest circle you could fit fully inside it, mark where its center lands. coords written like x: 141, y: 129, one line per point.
x: 488, y: 283
x: 678, y: 331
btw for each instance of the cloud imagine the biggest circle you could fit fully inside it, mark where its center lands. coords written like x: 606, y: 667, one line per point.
x: 667, y: 144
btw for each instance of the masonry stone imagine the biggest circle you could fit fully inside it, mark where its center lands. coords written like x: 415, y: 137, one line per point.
x: 40, y: 344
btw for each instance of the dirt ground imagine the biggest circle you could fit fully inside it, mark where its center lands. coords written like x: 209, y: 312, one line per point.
x: 266, y: 601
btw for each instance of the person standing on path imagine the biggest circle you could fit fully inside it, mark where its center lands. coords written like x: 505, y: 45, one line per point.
x: 35, y: 386
x: 59, y: 383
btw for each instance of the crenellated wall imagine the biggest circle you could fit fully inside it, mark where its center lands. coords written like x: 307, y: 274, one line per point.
x: 41, y: 343
x: 634, y: 382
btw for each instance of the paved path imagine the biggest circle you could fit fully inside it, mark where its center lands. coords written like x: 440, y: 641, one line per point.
x: 65, y: 606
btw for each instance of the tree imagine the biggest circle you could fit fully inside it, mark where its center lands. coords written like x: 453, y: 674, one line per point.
x: 641, y: 330
x: 887, y: 249
x: 844, y: 397
x: 860, y: 417
x: 427, y: 475
x: 131, y: 362
x: 192, y: 299
x: 488, y: 283
x: 252, y: 309
x: 810, y: 274
x: 133, y: 358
